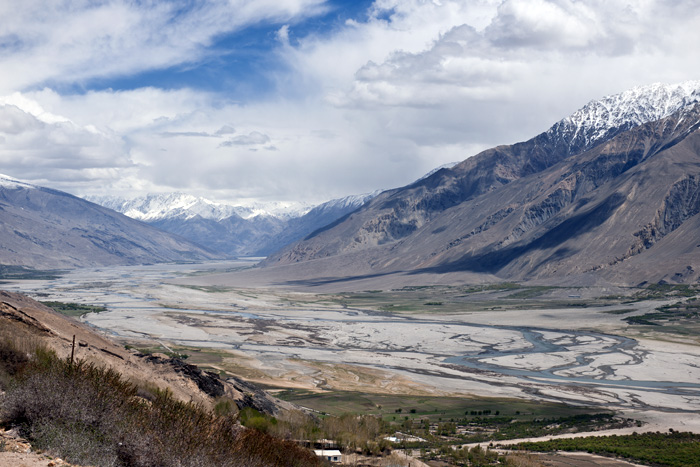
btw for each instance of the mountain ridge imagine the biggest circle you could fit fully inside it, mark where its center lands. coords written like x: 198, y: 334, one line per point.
x: 475, y: 217
x: 45, y: 228
x: 159, y: 206
x: 233, y: 230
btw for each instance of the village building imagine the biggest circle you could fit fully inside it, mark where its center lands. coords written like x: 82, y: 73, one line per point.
x: 332, y: 455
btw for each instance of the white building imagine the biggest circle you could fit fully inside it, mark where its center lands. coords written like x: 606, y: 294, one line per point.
x: 333, y: 455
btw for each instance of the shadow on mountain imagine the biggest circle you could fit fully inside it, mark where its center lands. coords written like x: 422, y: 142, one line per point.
x: 493, y: 261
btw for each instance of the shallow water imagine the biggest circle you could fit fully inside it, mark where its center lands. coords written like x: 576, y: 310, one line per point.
x: 520, y: 358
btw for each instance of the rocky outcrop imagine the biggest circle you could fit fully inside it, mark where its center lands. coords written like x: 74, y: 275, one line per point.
x: 680, y: 204
x: 249, y: 395
x: 209, y: 383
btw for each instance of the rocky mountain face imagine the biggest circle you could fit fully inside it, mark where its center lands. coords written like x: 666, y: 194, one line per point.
x: 611, y: 191
x: 247, y: 230
x: 45, y: 228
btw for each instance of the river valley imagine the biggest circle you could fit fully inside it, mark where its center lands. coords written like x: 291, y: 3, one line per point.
x: 296, y: 338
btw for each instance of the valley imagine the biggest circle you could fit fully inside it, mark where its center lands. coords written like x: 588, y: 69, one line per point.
x: 532, y: 343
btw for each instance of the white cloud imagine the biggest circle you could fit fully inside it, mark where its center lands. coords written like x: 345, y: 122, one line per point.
x: 254, y: 138
x: 37, y: 143
x: 68, y: 42
x: 283, y: 34
x: 545, y: 24
x: 374, y: 104
x: 14, y: 121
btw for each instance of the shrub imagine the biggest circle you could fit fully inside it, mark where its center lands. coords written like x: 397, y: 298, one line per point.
x: 92, y: 416
x: 12, y: 361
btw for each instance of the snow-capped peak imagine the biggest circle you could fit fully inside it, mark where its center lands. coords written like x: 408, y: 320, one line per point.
x: 279, y: 209
x: 347, y: 202
x: 155, y: 207
x: 162, y: 206
x: 636, y: 106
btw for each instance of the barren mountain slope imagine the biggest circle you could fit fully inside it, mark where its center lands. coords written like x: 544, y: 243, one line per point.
x: 521, y: 213
x: 44, y: 228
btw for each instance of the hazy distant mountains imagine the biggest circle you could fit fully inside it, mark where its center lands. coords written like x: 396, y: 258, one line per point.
x: 44, y: 228
x: 612, y: 192
x: 248, y: 230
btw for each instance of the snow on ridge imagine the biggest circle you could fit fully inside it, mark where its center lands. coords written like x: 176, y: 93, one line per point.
x: 9, y: 182
x: 352, y: 201
x: 280, y: 209
x: 636, y: 106
x: 449, y: 165
x: 153, y: 207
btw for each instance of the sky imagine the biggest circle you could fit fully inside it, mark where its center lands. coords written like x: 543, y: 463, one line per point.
x: 307, y: 100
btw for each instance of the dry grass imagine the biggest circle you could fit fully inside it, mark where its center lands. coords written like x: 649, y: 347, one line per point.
x: 92, y: 416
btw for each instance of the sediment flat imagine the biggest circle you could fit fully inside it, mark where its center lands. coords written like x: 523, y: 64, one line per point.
x: 305, y: 339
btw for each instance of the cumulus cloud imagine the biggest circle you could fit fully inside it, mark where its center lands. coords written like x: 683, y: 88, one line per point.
x: 522, y: 38
x: 14, y: 120
x: 374, y: 103
x: 56, y: 149
x: 545, y: 24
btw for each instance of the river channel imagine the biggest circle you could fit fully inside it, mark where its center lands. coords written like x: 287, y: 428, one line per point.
x: 450, y: 353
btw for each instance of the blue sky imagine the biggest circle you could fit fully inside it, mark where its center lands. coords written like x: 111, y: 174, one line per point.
x: 239, y: 64
x: 307, y: 100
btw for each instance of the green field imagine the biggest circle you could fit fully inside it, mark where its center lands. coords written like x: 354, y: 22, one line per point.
x: 391, y: 407
x: 460, y: 299
x: 74, y: 309
x: 23, y: 273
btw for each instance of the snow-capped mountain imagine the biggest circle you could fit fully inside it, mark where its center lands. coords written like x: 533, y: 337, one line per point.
x: 164, y: 206
x: 601, y: 119
x: 254, y: 229
x: 612, y: 191
x: 449, y: 165
x: 155, y: 207
x: 348, y: 202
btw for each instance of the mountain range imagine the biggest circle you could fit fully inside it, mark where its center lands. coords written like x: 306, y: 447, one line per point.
x: 611, y: 192
x: 45, y: 228
x: 235, y: 230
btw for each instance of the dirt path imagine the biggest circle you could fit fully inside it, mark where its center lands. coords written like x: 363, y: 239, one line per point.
x: 16, y: 452
x: 28, y: 459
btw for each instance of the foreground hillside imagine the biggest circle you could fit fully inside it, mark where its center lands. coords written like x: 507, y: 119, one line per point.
x: 44, y: 228
x: 105, y: 405
x: 607, y: 193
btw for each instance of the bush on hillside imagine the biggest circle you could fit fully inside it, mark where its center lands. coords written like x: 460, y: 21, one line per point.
x: 90, y: 415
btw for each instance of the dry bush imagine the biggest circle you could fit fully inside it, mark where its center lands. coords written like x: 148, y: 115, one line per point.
x: 12, y: 361
x: 92, y: 416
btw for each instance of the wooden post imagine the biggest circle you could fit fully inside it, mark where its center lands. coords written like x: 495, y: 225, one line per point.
x: 72, y: 351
